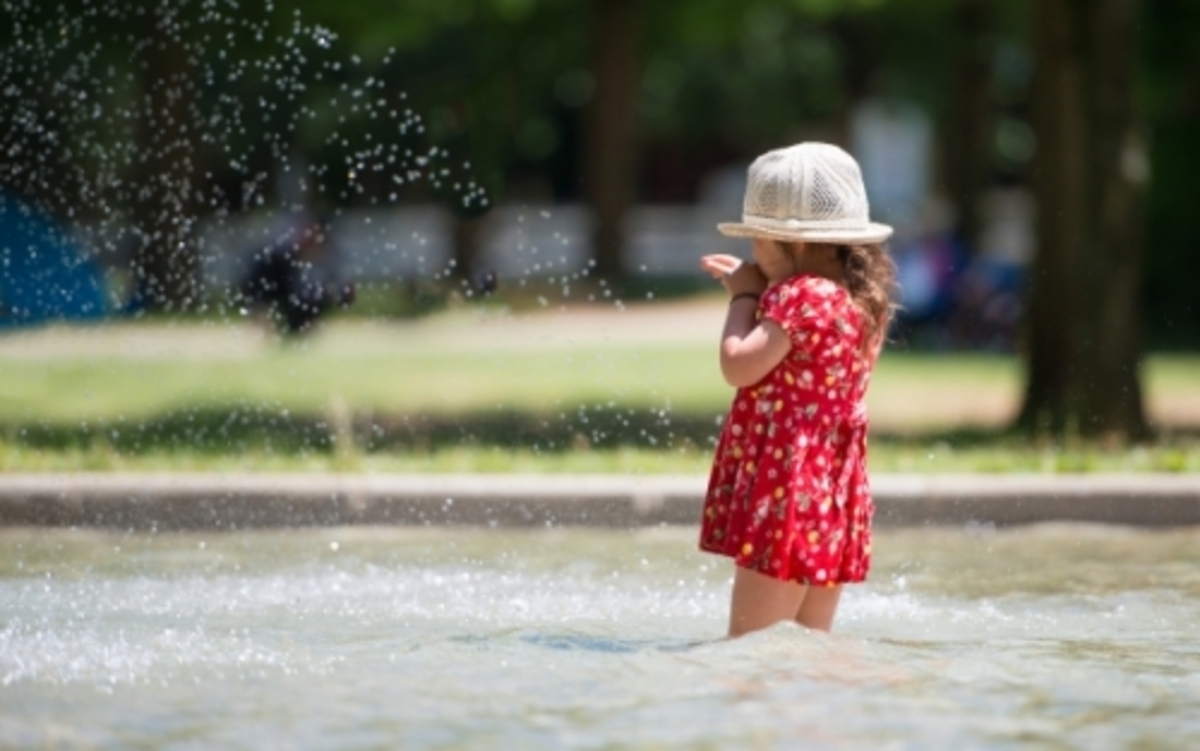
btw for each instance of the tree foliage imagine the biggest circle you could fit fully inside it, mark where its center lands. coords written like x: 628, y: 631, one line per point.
x: 497, y: 94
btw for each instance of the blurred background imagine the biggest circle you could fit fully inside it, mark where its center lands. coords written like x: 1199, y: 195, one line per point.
x: 314, y: 164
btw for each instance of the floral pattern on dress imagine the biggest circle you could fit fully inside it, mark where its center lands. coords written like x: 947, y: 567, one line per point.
x: 788, y: 494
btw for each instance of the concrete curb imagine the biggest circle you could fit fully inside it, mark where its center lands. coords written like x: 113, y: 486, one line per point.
x: 203, y: 501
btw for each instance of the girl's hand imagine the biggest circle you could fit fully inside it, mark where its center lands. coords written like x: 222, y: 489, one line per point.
x: 736, y: 275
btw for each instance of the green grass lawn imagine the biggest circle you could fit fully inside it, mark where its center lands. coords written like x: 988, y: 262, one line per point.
x: 411, y: 369
x: 461, y: 392
x: 387, y: 380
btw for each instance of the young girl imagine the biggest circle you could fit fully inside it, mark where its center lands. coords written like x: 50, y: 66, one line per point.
x: 788, y: 498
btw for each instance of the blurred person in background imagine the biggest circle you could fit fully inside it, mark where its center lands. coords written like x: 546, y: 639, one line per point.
x: 296, y: 281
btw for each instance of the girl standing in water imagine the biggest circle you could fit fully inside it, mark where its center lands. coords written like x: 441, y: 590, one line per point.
x: 788, y: 497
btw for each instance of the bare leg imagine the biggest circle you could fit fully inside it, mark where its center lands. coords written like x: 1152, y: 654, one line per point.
x: 759, y: 601
x: 818, y: 607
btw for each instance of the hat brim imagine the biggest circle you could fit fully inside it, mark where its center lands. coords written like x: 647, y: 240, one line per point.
x: 874, y: 232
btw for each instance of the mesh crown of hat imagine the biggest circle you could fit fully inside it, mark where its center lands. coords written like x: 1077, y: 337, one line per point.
x: 813, y: 185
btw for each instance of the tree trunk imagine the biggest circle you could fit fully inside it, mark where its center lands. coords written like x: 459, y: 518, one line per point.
x: 166, y: 149
x: 610, y: 158
x: 967, y: 144
x: 1083, y: 308
x: 466, y: 248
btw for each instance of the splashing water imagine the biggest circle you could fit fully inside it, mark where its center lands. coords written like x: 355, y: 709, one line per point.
x: 161, y: 132
x: 1065, y: 636
x: 177, y: 140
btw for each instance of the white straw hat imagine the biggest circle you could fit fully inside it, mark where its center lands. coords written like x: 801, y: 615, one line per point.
x: 810, y: 192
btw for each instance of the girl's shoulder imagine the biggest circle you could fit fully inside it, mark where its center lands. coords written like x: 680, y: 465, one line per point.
x: 808, y: 303
x: 810, y: 288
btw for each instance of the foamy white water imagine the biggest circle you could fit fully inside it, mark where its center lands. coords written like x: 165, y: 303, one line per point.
x: 1063, y: 637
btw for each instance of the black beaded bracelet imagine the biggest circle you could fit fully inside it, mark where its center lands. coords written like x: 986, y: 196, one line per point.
x: 751, y: 295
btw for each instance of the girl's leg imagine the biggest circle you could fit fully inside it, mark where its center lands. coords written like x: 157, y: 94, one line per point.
x: 818, y: 607
x: 759, y: 601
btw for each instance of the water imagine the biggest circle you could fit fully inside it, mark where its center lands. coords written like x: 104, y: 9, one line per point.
x: 1044, y: 637
x: 244, y: 117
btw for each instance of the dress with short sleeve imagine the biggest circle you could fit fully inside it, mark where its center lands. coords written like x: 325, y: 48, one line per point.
x: 788, y: 494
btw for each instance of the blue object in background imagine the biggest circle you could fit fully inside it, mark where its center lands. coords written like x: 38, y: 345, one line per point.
x: 44, y: 273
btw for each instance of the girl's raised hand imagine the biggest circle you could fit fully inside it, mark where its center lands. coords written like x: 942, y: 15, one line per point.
x: 719, y: 264
x: 736, y: 275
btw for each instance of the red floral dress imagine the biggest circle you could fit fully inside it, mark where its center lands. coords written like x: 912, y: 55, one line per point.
x: 788, y: 494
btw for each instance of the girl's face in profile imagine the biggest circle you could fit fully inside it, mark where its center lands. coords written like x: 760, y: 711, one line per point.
x: 774, y: 259
x: 782, y: 260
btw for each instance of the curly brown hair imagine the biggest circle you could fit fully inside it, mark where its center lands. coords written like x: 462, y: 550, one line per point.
x: 870, y: 275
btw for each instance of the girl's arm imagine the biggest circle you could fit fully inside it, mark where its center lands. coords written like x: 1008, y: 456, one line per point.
x: 749, y: 349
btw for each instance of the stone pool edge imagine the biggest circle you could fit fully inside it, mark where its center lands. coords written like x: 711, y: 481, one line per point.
x: 217, y: 501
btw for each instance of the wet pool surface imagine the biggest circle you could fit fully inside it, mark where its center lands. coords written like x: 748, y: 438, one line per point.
x: 1038, y: 637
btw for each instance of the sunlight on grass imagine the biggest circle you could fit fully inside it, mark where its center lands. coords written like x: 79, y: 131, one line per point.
x: 909, y: 391
x: 376, y: 377
x: 305, y: 380
x: 461, y: 393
